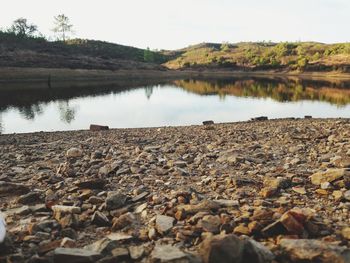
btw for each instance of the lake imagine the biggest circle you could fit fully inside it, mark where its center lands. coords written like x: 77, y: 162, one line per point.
x: 25, y: 107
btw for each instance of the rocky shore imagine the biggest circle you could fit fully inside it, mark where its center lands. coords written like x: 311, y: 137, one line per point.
x: 259, y: 191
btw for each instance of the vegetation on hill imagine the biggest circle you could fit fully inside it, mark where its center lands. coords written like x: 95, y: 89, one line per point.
x: 301, y: 56
x: 34, y: 51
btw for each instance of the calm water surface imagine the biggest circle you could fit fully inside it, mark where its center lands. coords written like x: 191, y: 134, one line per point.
x: 177, y: 102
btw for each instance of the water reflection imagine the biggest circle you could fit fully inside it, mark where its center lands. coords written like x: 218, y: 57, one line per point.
x: 279, y: 90
x: 173, y: 102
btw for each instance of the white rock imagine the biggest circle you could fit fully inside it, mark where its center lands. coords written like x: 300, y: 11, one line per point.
x: 74, y: 153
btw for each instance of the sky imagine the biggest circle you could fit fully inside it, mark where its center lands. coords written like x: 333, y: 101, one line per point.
x: 170, y: 24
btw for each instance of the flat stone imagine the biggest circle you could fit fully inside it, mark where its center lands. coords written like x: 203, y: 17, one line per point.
x: 227, y: 203
x: 103, y: 246
x: 75, y: 255
x: 119, y: 236
x: 29, y: 198
x: 167, y: 253
x: 9, y: 189
x: 206, y: 205
x: 92, y: 184
x: 164, y: 223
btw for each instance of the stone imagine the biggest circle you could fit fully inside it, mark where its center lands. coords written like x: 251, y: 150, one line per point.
x: 241, y: 229
x: 210, y: 223
x: 9, y: 189
x: 75, y: 255
x: 299, y: 190
x: 227, y: 203
x: 66, y: 209
x: 292, y: 224
x: 328, y: 176
x: 325, y: 185
x: 342, y: 162
x: 115, y: 200
x: 164, y: 223
x: 139, y: 197
x: 229, y: 248
x: 120, y: 253
x: 167, y: 253
x: 103, y: 246
x: 119, y: 236
x: 125, y: 220
x: 206, y: 205
x: 338, y: 195
x: 95, y: 200
x: 92, y: 184
x: 66, y: 215
x: 136, y: 252
x: 311, y: 250
x: 267, y: 192
x: 74, y: 153
x: 109, y: 168
x: 261, y: 118
x: 210, y: 122
x: 346, y: 233
x: 100, y: 219
x: 29, y: 198
x: 95, y: 127
x: 347, y: 195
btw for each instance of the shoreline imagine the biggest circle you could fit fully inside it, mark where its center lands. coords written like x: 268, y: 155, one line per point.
x: 113, y: 129
x: 273, y: 187
x: 61, y: 74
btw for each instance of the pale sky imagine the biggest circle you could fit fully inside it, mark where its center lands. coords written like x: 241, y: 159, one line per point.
x: 170, y: 24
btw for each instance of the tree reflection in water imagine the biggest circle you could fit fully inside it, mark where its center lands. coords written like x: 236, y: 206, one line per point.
x: 67, y: 112
x: 149, y: 91
x: 31, y: 111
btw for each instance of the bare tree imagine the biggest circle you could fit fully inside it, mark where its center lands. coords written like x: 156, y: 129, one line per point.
x: 62, y: 26
x: 21, y: 27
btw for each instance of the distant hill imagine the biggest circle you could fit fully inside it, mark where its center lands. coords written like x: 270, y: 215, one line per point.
x: 303, y: 56
x: 34, y: 52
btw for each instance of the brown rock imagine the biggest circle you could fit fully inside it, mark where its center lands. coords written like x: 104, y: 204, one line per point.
x: 311, y: 250
x: 328, y: 176
x: 95, y: 127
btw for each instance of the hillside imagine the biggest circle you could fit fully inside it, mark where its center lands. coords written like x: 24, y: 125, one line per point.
x: 304, y: 56
x: 16, y: 51
x: 34, y: 52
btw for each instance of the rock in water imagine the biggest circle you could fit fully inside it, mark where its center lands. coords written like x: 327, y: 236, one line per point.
x: 2, y: 228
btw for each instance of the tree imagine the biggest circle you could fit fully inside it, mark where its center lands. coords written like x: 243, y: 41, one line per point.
x: 148, y: 55
x: 22, y: 28
x: 62, y: 26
